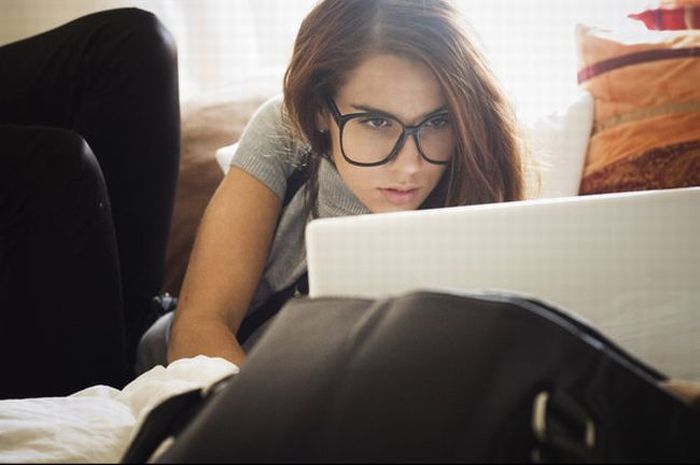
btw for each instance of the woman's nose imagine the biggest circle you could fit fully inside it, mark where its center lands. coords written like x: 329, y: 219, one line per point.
x: 409, y: 158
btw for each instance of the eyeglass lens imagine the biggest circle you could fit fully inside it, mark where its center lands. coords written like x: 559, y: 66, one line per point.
x: 372, y: 138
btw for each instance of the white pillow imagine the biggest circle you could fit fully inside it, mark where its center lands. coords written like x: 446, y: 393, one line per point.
x: 558, y: 143
x: 224, y: 155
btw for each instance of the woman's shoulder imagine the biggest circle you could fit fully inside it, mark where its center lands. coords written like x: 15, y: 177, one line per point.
x: 268, y: 148
x: 270, y: 111
x: 268, y: 128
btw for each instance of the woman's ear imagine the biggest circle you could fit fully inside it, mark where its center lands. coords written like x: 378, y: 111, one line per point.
x: 322, y: 123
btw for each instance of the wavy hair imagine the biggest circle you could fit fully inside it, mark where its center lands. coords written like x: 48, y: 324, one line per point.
x: 337, y: 34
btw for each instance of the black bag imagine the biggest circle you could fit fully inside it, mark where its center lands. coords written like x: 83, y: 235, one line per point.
x: 437, y: 377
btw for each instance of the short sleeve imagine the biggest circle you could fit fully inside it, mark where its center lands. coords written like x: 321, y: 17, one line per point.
x: 267, y: 149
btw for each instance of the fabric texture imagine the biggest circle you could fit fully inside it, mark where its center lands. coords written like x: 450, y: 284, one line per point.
x: 646, y: 129
x: 97, y: 424
x: 395, y: 383
x: 60, y: 293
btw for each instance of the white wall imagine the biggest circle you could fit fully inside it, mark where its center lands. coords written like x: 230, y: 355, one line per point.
x: 229, y: 43
x: 223, y: 45
x: 530, y: 43
x: 20, y: 18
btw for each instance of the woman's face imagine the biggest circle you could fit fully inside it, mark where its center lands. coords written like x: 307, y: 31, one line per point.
x: 409, y: 91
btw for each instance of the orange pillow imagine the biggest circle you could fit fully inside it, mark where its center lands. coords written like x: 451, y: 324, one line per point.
x: 646, y: 128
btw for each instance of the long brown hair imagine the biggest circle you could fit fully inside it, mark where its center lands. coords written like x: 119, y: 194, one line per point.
x: 337, y: 34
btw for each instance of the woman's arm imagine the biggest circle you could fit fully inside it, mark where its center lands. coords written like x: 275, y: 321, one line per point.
x: 225, y: 268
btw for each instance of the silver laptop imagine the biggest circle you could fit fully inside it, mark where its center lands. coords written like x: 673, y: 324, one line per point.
x: 627, y: 263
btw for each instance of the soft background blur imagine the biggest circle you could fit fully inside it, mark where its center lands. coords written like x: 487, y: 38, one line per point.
x: 242, y: 46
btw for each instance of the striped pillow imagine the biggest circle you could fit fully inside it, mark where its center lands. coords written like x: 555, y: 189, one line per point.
x: 646, y: 128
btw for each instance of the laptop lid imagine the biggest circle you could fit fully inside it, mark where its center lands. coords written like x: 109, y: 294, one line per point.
x: 628, y: 262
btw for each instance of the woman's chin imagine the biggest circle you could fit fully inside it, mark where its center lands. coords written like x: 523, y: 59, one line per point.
x: 385, y: 207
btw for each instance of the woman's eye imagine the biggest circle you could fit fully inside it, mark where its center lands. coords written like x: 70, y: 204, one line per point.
x: 438, y: 122
x: 376, y: 122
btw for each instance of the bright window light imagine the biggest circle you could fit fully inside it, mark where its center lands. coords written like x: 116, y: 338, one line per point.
x: 530, y: 44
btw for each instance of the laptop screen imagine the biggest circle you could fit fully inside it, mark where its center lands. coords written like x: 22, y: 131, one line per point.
x: 628, y: 263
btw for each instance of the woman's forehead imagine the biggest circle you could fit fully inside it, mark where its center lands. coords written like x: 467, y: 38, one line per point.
x: 403, y: 87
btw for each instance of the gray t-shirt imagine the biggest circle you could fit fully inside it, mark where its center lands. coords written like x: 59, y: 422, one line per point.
x: 269, y: 152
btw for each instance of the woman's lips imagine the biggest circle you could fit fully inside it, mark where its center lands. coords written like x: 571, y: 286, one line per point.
x: 399, y: 196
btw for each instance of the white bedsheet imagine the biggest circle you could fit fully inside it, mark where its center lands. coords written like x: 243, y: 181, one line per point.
x: 97, y: 423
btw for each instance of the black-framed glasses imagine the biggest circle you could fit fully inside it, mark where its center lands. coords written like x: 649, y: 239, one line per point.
x: 375, y: 138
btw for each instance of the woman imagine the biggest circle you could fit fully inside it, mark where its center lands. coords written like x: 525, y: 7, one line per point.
x: 388, y: 106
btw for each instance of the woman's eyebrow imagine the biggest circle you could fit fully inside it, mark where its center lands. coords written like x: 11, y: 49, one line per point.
x: 371, y: 109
